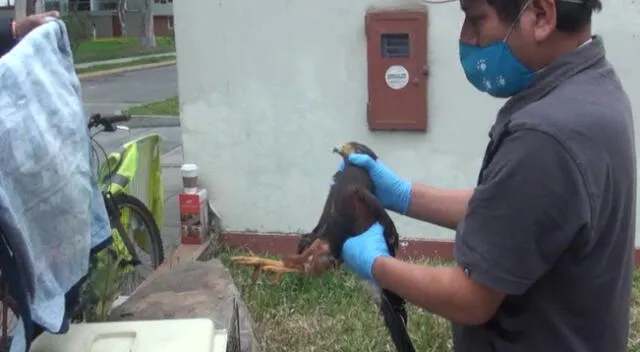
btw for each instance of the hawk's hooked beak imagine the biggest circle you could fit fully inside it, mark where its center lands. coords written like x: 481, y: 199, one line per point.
x: 345, y: 149
x: 338, y: 151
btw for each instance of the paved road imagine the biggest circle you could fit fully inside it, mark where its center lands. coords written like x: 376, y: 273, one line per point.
x: 108, y: 94
x: 118, y: 92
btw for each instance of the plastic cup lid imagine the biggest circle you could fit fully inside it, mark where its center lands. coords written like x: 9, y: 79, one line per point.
x: 189, y: 167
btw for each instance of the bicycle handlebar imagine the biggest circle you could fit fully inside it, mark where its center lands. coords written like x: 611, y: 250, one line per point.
x: 107, y: 121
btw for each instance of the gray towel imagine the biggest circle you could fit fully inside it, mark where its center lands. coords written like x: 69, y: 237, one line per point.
x: 51, y: 210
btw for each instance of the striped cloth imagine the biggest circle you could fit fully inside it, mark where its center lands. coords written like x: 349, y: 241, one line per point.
x: 51, y: 210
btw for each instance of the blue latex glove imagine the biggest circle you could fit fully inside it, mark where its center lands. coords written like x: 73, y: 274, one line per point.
x: 393, y: 192
x: 359, y: 252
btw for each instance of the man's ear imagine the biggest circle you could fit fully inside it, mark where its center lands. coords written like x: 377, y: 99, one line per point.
x: 545, y: 18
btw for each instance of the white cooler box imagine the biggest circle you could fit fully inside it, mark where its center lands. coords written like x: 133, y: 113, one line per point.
x: 193, y: 335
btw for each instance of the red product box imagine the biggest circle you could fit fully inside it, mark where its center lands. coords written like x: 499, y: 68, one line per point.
x: 194, y: 217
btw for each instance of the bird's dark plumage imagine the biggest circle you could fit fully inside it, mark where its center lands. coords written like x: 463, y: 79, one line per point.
x: 349, y: 210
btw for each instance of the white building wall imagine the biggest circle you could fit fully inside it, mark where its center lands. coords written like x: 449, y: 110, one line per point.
x: 267, y: 88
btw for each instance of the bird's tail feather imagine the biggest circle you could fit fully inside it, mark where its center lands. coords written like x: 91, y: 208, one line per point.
x: 394, y: 313
x: 391, y: 305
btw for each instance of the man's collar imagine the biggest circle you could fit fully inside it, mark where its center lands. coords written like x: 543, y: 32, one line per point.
x: 586, y: 42
x: 565, y: 67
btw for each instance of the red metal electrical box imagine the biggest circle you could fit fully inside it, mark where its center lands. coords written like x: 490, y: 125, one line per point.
x: 397, y: 69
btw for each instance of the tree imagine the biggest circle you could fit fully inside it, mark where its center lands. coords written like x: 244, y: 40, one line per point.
x: 122, y: 14
x: 78, y: 25
x: 148, y: 39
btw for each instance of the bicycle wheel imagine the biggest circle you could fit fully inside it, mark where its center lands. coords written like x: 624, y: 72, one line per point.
x: 8, y: 315
x: 140, y: 228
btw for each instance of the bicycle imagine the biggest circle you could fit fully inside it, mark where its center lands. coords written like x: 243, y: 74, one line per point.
x: 8, y: 305
x: 121, y: 207
x: 115, y: 174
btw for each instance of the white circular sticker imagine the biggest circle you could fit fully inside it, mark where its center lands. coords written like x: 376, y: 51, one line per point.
x: 397, y: 77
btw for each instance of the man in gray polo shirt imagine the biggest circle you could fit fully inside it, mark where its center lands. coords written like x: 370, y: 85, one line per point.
x: 544, y: 243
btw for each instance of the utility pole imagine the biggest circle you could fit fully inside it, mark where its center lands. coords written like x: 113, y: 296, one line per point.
x: 23, y: 8
x: 31, y: 7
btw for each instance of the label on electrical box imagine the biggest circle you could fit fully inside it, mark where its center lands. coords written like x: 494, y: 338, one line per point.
x: 397, y: 77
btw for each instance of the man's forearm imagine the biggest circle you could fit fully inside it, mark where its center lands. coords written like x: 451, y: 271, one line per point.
x: 444, y: 291
x: 442, y: 207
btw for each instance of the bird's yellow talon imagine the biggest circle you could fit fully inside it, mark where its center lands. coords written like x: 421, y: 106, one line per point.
x: 266, y: 265
x: 278, y: 269
x: 256, y: 261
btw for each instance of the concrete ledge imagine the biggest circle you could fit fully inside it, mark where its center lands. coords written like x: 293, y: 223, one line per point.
x: 147, y: 121
x: 184, y: 253
x: 125, y: 69
x: 195, y: 289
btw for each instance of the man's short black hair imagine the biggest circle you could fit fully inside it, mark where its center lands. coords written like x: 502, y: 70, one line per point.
x: 572, y: 15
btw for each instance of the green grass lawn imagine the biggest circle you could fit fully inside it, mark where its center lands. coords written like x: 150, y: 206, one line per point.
x: 143, y: 61
x: 168, y: 107
x: 115, y: 48
x: 334, y: 313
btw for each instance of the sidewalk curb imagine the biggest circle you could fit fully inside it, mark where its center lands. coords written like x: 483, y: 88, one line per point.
x: 122, y: 60
x: 147, y: 121
x: 125, y: 69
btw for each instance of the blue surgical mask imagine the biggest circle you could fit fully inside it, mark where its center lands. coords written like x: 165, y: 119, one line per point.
x: 494, y: 68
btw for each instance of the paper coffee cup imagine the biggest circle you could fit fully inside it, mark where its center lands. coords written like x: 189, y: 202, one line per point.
x: 189, y: 178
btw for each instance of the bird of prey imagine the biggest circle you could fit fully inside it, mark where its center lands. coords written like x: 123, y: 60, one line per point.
x: 350, y: 209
